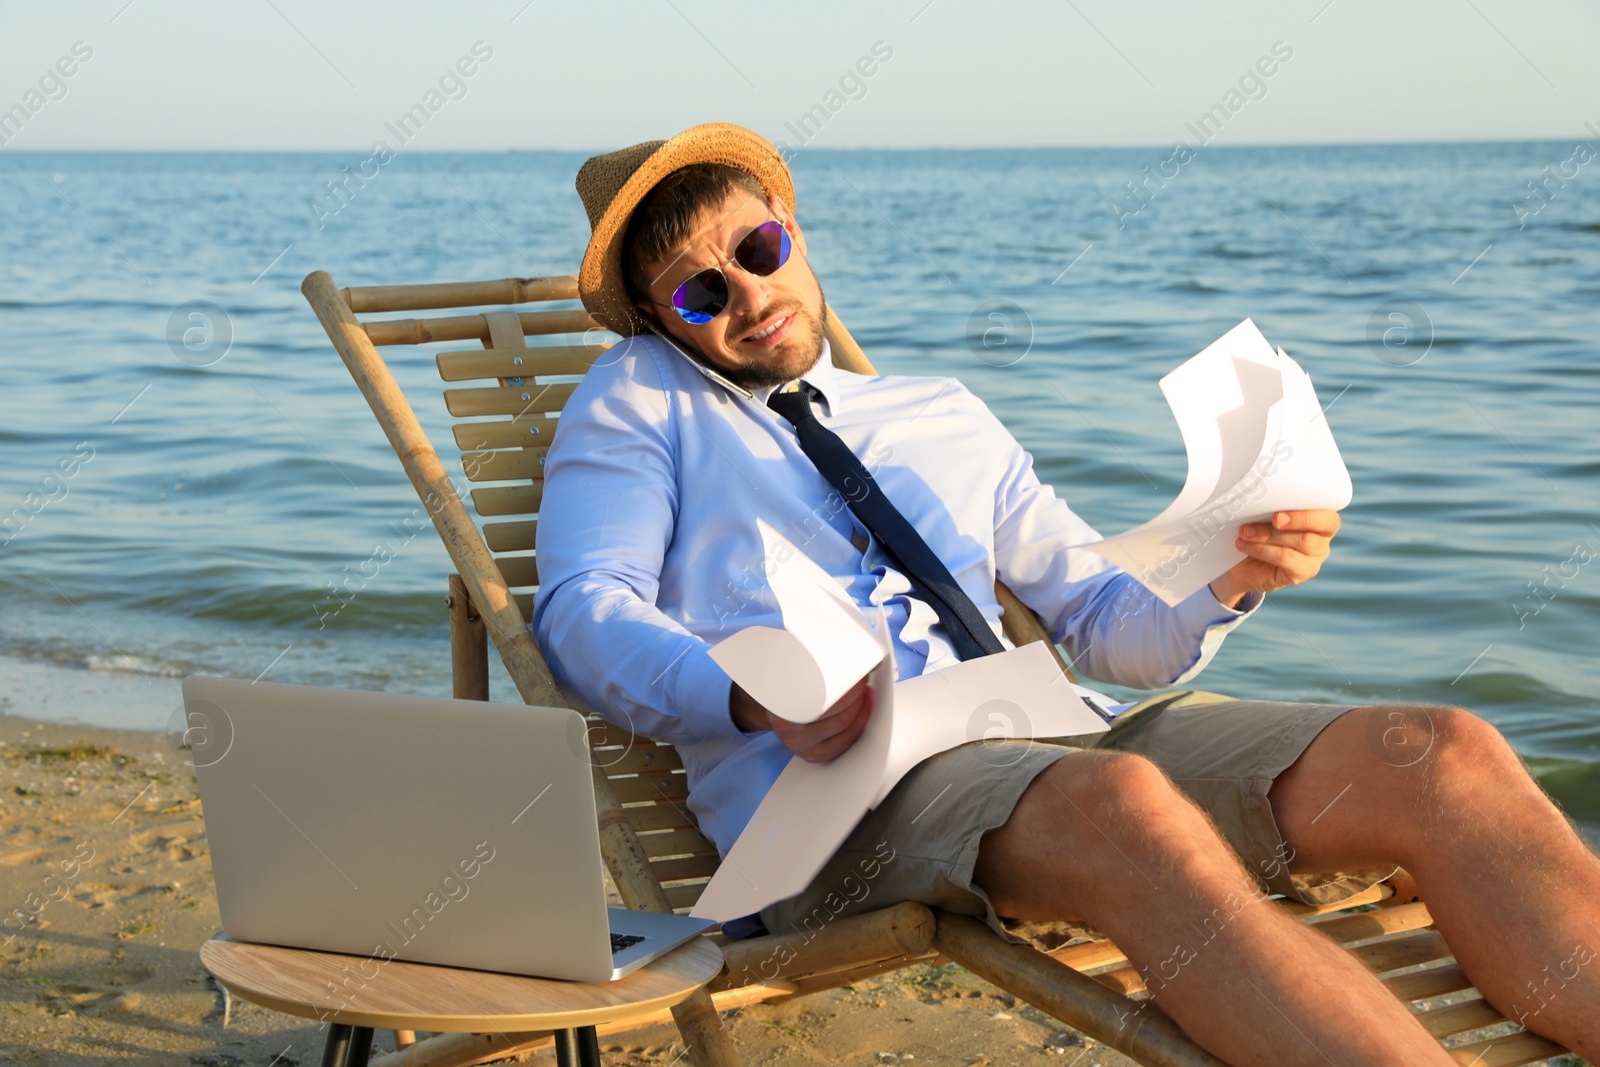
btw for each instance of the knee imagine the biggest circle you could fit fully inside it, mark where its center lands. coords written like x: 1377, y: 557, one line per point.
x: 1440, y: 746
x: 1131, y: 826
x: 1467, y: 744
x: 1109, y: 782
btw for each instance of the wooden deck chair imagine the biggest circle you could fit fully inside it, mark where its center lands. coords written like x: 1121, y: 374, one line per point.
x: 506, y: 395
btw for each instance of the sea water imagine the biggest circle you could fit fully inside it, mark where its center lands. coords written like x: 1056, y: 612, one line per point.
x: 213, y: 495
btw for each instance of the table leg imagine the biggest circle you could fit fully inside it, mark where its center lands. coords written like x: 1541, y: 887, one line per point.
x: 338, y: 1046
x: 588, y: 1047
x: 348, y: 1046
x: 578, y: 1048
x: 360, y: 1047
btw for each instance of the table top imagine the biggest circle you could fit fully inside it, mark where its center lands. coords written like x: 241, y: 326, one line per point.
x: 368, y: 991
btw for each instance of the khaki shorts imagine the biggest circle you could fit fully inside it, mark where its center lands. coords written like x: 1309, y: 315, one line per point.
x: 921, y: 843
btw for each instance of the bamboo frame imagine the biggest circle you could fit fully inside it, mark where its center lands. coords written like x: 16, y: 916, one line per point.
x: 469, y: 645
x: 697, y: 1019
x: 898, y: 932
x: 483, y: 606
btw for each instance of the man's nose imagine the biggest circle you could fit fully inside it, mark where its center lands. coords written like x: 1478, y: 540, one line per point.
x: 747, y: 293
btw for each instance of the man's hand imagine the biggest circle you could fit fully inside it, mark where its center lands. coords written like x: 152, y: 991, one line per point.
x: 1287, y: 550
x: 815, y: 742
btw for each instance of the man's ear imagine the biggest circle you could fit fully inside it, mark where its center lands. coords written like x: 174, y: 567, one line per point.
x: 786, y: 216
x: 647, y: 311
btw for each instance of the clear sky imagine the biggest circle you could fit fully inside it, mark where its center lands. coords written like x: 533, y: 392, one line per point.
x: 302, y: 74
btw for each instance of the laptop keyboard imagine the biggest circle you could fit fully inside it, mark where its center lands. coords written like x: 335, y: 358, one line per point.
x: 622, y: 941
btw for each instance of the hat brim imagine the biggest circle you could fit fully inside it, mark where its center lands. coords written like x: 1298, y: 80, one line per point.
x: 600, y: 284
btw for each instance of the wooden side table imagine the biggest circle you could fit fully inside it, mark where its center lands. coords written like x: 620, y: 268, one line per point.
x: 357, y: 994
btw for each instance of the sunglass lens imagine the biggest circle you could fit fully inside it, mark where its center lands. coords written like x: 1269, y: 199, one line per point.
x: 764, y: 249
x: 702, y: 298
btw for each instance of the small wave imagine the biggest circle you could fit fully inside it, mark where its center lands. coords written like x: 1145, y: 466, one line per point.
x: 1190, y: 285
x: 1221, y: 251
x: 1573, y: 784
x: 132, y: 665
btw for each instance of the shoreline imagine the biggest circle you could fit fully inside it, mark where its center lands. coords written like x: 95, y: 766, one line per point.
x: 107, y: 697
x: 101, y: 698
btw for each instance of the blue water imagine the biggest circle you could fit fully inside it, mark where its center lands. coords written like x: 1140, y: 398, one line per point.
x: 221, y: 500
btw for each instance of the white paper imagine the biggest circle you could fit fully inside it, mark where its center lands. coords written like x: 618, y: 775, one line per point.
x: 1257, y: 443
x: 824, y: 648
x: 806, y: 815
x: 812, y: 807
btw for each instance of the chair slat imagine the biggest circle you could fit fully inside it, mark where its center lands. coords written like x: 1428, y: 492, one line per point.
x: 518, y: 571
x: 684, y: 896
x: 508, y: 399
x: 684, y: 867
x: 602, y: 734
x: 1362, y: 925
x: 369, y: 298
x: 517, y: 363
x: 512, y: 433
x: 1089, y: 955
x: 1433, y: 982
x: 464, y: 327
x: 1094, y: 955
x: 644, y: 757
x: 512, y: 464
x: 1420, y: 947
x: 509, y: 499
x: 1125, y: 980
x: 651, y: 787
x: 1512, y: 1050
x: 510, y: 536
x: 662, y: 816
x: 676, y: 843
x: 1459, y: 1018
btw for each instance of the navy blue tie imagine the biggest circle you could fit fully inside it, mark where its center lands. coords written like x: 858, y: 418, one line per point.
x: 968, y: 630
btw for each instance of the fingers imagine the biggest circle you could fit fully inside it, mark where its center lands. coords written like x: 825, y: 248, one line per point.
x: 840, y: 743
x: 1293, y: 543
x: 1288, y: 549
x: 1293, y: 565
x: 845, y: 728
x: 1312, y: 544
x: 1320, y: 521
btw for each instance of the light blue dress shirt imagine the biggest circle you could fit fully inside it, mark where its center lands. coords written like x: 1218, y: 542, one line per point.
x: 649, y: 552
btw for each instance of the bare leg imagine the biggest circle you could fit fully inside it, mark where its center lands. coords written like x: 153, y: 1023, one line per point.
x: 1106, y: 837
x: 1511, y: 885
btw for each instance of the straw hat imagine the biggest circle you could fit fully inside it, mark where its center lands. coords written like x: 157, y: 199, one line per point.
x: 612, y: 185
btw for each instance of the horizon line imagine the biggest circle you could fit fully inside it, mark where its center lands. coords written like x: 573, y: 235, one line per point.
x: 1148, y: 146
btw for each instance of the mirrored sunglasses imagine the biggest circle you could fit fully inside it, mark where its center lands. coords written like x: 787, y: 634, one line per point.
x: 705, y: 295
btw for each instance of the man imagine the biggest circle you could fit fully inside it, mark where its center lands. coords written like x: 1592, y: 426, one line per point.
x: 1166, y: 832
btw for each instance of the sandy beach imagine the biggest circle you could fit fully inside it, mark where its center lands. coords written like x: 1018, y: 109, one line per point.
x: 104, y: 856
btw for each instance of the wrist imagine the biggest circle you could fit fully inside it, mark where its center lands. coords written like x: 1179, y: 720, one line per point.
x: 745, y: 712
x: 1228, y: 592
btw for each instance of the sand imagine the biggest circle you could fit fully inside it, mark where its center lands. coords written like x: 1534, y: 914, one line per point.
x: 103, y: 850
x: 105, y: 880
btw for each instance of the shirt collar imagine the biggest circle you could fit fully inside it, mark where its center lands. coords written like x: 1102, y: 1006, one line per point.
x: 824, y: 377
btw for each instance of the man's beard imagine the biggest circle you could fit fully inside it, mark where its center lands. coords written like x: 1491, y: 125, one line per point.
x: 807, y: 349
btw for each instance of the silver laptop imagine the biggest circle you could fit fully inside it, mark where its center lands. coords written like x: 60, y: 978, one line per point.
x: 400, y: 827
